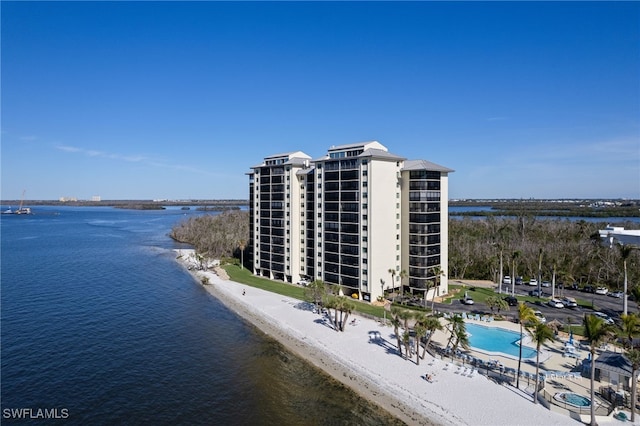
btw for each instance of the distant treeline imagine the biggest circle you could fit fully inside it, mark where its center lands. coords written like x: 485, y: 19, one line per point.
x: 571, y: 249
x: 214, y: 205
x: 215, y: 236
x: 577, y: 208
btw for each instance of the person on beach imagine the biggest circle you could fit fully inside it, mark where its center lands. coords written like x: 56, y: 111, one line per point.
x: 243, y: 291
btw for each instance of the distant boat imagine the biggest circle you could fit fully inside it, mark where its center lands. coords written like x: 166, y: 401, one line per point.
x: 20, y: 210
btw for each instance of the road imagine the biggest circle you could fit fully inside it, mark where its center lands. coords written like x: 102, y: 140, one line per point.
x: 609, y: 305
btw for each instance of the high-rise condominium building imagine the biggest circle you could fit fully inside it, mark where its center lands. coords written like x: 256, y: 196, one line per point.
x: 359, y: 217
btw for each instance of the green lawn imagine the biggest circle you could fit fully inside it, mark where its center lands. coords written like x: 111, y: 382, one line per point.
x: 244, y: 276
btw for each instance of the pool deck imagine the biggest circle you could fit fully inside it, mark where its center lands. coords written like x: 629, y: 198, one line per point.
x: 563, y: 373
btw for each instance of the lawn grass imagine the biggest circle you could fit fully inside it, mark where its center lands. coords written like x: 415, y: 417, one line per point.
x: 244, y: 276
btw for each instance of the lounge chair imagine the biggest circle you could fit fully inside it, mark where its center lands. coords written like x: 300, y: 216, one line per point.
x: 472, y: 373
x: 622, y: 416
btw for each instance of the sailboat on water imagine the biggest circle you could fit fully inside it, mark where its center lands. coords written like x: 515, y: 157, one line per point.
x: 21, y: 209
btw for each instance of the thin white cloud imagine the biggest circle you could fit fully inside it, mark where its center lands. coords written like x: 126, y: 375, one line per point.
x: 132, y: 159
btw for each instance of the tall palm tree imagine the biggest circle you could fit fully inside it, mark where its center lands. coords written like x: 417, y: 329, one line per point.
x: 392, y: 271
x: 242, y: 244
x: 541, y: 333
x: 596, y: 332
x: 526, y: 317
x: 625, y: 252
x: 633, y: 355
x: 514, y: 256
x: 438, y: 273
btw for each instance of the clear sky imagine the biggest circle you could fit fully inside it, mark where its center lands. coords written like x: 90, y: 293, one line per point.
x: 177, y: 100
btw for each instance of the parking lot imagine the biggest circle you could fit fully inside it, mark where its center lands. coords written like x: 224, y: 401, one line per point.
x: 611, y: 306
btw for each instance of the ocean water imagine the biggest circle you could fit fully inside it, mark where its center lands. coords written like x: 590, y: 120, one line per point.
x: 100, y: 325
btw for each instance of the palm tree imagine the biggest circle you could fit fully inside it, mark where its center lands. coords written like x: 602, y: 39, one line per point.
x: 526, y: 316
x: 437, y: 272
x: 432, y: 324
x: 514, y: 256
x: 633, y: 355
x: 596, y: 332
x: 396, y: 323
x: 392, y: 271
x: 242, y: 244
x: 346, y: 307
x: 630, y: 325
x: 331, y: 302
x: 625, y: 252
x: 420, y: 330
x: 456, y: 323
x: 541, y: 333
x: 462, y: 338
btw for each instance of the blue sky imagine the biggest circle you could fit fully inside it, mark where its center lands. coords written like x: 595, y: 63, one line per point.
x: 130, y: 100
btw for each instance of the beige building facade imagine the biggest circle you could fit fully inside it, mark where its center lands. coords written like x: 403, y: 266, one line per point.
x: 359, y: 217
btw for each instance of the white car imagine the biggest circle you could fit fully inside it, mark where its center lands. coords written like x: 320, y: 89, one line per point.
x: 555, y: 303
x: 506, y: 279
x: 569, y: 302
x: 540, y: 317
x: 545, y: 284
x: 602, y: 290
x: 616, y: 294
x: 304, y: 282
x: 468, y: 301
x: 533, y: 282
x: 605, y: 317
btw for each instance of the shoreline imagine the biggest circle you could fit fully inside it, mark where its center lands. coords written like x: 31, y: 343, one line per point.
x: 371, y: 368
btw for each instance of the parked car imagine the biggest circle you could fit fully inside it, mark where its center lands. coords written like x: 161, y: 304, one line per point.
x: 540, y: 316
x: 467, y: 301
x: 616, y: 294
x: 512, y: 301
x: 605, y: 317
x: 569, y: 302
x: 555, y: 303
x: 519, y: 281
x: 533, y: 282
x: 588, y: 289
x: 506, y: 279
x: 545, y: 284
x: 304, y: 282
x: 602, y: 290
x: 537, y: 293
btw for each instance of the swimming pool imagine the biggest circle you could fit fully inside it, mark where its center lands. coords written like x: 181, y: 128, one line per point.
x: 573, y: 399
x: 498, y: 341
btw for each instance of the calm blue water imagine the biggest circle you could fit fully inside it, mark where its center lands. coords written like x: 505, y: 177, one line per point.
x: 497, y: 340
x: 99, y: 320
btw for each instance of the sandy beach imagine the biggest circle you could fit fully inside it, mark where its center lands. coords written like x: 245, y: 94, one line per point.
x: 364, y: 358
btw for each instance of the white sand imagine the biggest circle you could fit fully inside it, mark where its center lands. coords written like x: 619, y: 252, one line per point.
x: 372, y: 367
